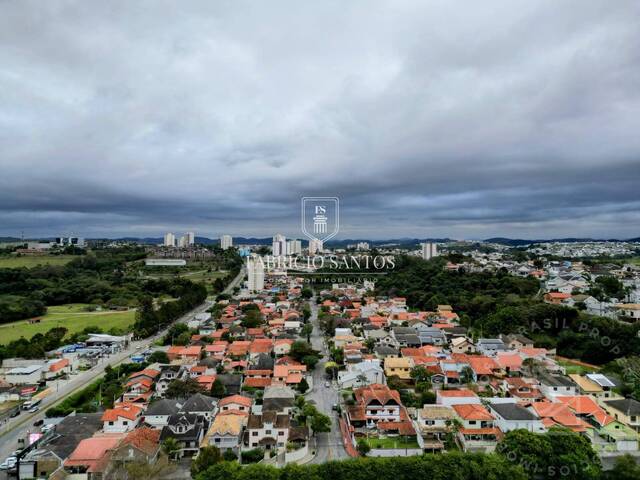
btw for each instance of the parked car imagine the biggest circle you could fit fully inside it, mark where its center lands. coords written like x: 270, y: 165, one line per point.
x: 9, y: 463
x: 47, y: 428
x: 327, y: 384
x: 37, y: 423
x: 15, y: 413
x: 33, y: 409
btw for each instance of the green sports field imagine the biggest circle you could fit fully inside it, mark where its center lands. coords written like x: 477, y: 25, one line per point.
x: 12, y: 261
x: 70, y: 316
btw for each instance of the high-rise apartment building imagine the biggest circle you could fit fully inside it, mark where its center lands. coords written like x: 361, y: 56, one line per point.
x: 191, y: 238
x: 429, y: 250
x: 294, y: 247
x: 255, y: 273
x: 315, y: 246
x: 226, y: 241
x: 169, y: 240
x: 279, y: 246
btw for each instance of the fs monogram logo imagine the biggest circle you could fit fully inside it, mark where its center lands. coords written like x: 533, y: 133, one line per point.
x: 320, y: 217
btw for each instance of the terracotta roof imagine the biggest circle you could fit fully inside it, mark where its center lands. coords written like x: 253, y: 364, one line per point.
x: 585, y: 405
x: 482, y: 365
x: 144, y: 438
x: 91, y: 451
x: 461, y: 392
x: 511, y: 360
x: 239, y: 399
x: 129, y: 411
x: 403, y: 427
x: 257, y: 382
x: 558, y: 414
x: 472, y: 411
x: 377, y: 392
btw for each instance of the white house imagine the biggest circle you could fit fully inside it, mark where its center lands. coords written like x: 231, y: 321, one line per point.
x: 361, y: 374
x: 511, y: 416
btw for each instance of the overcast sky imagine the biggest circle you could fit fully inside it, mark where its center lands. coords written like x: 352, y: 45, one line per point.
x: 426, y: 118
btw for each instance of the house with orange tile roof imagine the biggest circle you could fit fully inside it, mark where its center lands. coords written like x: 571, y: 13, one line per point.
x: 258, y: 346
x: 524, y: 391
x: 556, y: 298
x: 558, y: 414
x: 456, y: 397
x: 141, y: 445
x: 509, y: 363
x: 478, y: 432
x: 121, y: 418
x: 484, y: 368
x: 91, y: 457
x: 238, y: 403
x: 290, y: 375
x: 238, y: 349
x: 374, y: 403
x: 136, y: 388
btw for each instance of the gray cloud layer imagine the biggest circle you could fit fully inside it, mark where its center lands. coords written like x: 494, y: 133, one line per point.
x: 426, y: 118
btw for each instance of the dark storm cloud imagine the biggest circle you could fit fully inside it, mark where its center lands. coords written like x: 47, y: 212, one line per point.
x: 425, y: 118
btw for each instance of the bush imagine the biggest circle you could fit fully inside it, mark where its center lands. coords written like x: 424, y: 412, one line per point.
x: 252, y: 456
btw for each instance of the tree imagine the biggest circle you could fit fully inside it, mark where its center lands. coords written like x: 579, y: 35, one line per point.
x: 466, y: 376
x: 306, y: 293
x: 310, y: 361
x: 420, y: 374
x: 303, y: 386
x: 625, y: 468
x: 218, y: 390
x: 207, y: 456
x: 170, y: 447
x: 363, y: 447
x: 556, y: 453
x: 183, y: 388
x: 252, y: 319
x: 307, y: 330
x: 229, y: 456
x: 320, y: 423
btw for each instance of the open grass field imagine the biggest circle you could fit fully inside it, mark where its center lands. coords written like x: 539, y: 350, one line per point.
x: 71, y: 316
x: 30, y: 262
x: 200, y: 276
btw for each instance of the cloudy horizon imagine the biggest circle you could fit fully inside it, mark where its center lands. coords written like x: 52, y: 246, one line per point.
x: 503, y: 118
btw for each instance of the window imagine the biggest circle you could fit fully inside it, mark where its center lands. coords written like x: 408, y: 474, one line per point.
x: 472, y: 422
x: 254, y: 434
x: 282, y: 432
x: 110, y: 423
x: 217, y: 440
x: 267, y: 432
x: 125, y: 423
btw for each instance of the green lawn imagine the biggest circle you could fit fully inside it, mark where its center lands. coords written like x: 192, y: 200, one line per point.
x: 572, y: 368
x: 71, y: 316
x: 30, y: 262
x: 200, y: 276
x: 391, y: 442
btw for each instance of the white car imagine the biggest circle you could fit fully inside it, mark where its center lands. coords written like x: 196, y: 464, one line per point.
x: 9, y: 463
x: 33, y: 409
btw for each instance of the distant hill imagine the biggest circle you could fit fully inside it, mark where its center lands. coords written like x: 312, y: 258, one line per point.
x: 517, y: 242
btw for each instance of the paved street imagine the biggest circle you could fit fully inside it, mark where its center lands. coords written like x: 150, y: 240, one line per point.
x: 329, y: 446
x: 22, y: 425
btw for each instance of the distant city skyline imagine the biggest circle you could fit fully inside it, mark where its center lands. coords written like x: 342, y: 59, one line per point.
x: 426, y: 119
